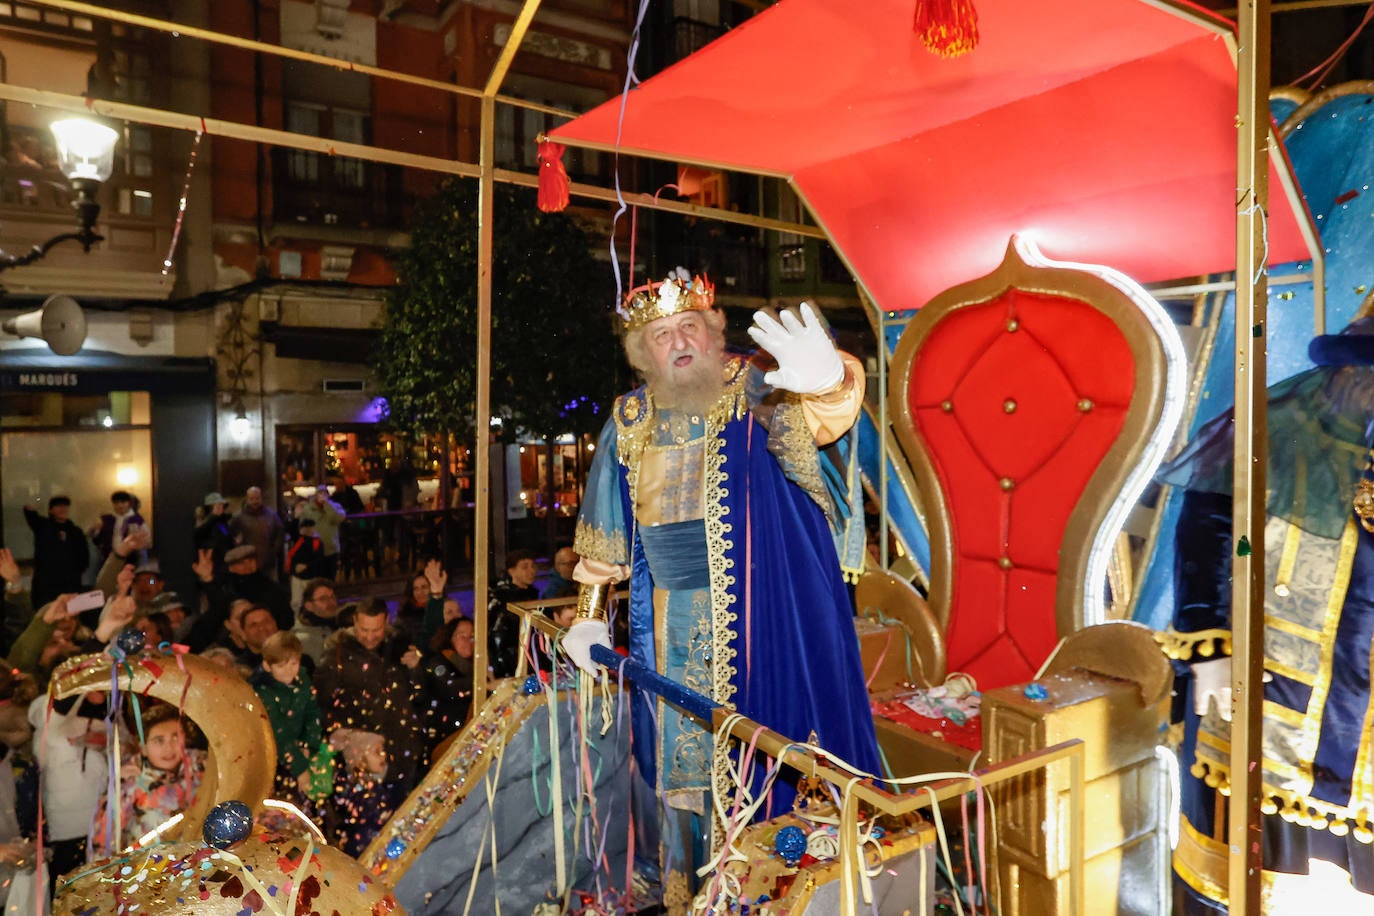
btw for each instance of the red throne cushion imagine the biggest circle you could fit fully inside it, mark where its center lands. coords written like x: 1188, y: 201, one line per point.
x: 1018, y: 400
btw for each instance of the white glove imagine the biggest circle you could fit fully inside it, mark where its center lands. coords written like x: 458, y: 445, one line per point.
x: 807, y: 360
x: 580, y: 638
x: 1212, y: 679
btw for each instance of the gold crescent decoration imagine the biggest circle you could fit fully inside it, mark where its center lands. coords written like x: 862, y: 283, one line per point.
x: 243, y: 753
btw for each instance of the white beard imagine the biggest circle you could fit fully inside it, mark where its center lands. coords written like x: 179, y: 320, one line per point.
x: 695, y: 387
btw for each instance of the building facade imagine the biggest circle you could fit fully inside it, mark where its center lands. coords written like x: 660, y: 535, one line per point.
x: 229, y: 340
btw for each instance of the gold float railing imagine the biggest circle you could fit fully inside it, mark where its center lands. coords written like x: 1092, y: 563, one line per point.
x: 881, y: 801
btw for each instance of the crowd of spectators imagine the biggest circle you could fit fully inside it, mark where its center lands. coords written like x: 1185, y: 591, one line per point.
x: 360, y: 695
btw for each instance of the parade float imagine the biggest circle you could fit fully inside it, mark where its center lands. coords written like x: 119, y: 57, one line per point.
x: 1029, y: 399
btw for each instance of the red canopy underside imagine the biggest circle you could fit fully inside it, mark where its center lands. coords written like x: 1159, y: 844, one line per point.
x: 1104, y: 129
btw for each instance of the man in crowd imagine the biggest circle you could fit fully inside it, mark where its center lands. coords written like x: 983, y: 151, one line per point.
x: 241, y: 582
x: 212, y: 528
x: 117, y: 524
x: 561, y: 584
x: 60, y: 551
x: 246, y: 580
x: 259, y: 526
x: 320, y: 618
x: 364, y: 683
x: 706, y: 484
x: 327, y: 516
x: 517, y: 584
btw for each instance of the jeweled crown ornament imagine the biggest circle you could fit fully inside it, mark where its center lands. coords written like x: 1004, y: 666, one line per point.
x: 679, y: 292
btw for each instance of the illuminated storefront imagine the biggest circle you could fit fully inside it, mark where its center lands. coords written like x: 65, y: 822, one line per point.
x: 88, y: 425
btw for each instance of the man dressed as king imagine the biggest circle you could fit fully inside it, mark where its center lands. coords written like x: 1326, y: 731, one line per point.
x: 707, y: 496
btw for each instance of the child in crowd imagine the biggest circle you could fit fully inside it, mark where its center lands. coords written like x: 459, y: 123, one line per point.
x: 289, y: 698
x: 157, y: 780
x: 71, y: 751
x: 363, y: 799
x: 305, y: 560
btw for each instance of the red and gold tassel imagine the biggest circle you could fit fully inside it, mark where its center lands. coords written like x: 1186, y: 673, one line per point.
x: 948, y: 28
x: 553, y: 178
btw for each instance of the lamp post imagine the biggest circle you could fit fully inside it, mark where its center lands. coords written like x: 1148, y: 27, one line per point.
x: 85, y: 154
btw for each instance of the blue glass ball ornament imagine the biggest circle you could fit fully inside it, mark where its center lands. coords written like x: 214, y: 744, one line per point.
x: 790, y: 844
x: 531, y: 686
x: 131, y: 641
x: 227, y: 823
x: 394, y: 847
x: 1036, y: 691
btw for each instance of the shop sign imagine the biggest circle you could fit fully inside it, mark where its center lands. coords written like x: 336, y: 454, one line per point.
x: 39, y: 379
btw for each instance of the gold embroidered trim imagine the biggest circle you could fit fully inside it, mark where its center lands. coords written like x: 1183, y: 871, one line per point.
x: 1292, y: 628
x: 676, y: 896
x: 1362, y: 779
x: 1364, y: 504
x: 1201, y: 863
x: 1203, y: 643
x: 594, y: 543
x: 1316, y: 704
x: 1288, y: 559
x: 792, y: 443
x: 1295, y: 807
x: 1280, y: 713
x: 634, y: 424
x: 718, y: 546
x: 1293, y: 674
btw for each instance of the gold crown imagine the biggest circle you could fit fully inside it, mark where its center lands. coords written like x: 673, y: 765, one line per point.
x: 652, y: 301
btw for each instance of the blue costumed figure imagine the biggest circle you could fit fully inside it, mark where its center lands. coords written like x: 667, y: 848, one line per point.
x: 709, y: 495
x: 1318, y: 772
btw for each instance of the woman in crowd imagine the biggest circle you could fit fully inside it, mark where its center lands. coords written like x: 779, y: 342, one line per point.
x: 446, y: 686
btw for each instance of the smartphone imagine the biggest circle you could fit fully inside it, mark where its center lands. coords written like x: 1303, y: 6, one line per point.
x: 86, y: 601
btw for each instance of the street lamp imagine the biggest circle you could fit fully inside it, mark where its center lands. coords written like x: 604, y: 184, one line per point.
x: 239, y: 425
x: 85, y: 154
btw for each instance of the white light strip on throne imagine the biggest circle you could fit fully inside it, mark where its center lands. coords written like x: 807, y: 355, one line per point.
x: 1175, y: 391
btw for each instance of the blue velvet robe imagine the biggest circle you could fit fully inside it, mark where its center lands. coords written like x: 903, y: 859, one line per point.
x: 782, y: 645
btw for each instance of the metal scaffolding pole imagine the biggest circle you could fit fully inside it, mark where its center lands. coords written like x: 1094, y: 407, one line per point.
x: 486, y: 179
x: 1251, y: 454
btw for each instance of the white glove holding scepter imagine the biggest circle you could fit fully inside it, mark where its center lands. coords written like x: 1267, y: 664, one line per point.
x: 808, y: 362
x: 580, y: 638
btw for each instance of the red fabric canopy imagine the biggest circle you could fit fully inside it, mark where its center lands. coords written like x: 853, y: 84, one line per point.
x: 1102, y: 129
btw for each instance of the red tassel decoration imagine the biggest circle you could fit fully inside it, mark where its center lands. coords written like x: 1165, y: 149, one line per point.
x: 553, y: 178
x: 948, y: 28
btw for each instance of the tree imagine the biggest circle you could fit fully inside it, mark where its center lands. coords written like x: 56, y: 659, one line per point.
x: 555, y: 363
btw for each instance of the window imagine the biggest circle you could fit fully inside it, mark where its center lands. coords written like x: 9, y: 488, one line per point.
x: 791, y: 246
x: 133, y: 76
x: 350, y: 126
x: 518, y: 129
x: 304, y: 119
x: 139, y: 151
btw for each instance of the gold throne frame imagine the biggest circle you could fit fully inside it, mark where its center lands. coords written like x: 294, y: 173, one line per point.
x: 1094, y: 503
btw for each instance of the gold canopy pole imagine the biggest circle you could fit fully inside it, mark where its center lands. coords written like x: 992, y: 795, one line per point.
x: 486, y: 187
x: 1251, y: 454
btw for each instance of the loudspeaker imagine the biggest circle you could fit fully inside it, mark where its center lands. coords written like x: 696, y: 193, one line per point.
x: 60, y: 322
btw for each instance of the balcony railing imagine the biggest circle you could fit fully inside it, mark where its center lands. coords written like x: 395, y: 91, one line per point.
x: 328, y: 190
